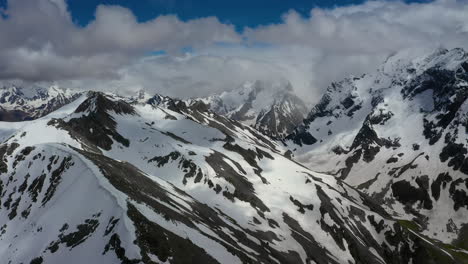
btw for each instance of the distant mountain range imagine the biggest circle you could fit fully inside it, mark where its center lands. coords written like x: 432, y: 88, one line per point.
x: 271, y: 108
x: 376, y: 172
x: 19, y: 103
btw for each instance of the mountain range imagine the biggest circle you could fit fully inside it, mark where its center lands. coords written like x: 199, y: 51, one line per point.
x: 19, y: 103
x: 399, y: 135
x: 272, y: 108
x: 376, y: 172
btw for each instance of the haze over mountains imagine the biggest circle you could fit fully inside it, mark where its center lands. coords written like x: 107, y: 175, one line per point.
x: 272, y: 108
x: 376, y: 172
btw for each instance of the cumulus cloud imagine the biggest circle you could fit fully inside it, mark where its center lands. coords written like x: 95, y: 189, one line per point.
x: 371, y: 27
x: 356, y: 39
x: 191, y: 76
x: 111, y: 52
x: 41, y: 42
x: 214, y: 70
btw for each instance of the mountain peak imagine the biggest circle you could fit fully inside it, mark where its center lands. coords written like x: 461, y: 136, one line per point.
x: 99, y: 103
x: 30, y: 102
x: 397, y: 134
x: 412, y: 62
x: 270, y: 107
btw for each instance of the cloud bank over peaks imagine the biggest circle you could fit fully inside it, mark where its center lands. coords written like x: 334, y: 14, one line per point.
x: 111, y: 52
x: 190, y: 76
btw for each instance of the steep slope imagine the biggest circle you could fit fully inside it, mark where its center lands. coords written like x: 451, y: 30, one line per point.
x: 273, y: 109
x: 111, y: 182
x: 27, y: 103
x: 399, y: 135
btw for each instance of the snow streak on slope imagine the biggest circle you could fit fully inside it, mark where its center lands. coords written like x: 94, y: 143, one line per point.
x: 399, y: 135
x: 165, y: 182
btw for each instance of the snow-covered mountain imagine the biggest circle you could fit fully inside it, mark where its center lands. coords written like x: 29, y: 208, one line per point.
x: 400, y: 135
x: 272, y: 108
x: 18, y: 103
x: 167, y: 182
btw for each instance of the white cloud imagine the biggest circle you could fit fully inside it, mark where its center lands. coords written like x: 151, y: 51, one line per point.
x: 44, y: 44
x: 37, y: 31
x: 372, y: 27
x: 190, y: 76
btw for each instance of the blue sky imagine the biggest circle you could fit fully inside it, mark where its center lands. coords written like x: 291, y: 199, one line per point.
x: 241, y: 13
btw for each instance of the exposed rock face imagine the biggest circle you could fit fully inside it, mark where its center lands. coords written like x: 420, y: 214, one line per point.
x: 28, y: 103
x: 273, y: 109
x: 113, y: 182
x: 399, y: 135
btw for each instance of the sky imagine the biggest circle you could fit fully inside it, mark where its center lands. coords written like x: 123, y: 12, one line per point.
x: 189, y: 48
x: 240, y: 13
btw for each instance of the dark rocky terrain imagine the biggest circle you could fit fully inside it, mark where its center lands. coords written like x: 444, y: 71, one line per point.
x: 114, y: 182
x: 399, y: 135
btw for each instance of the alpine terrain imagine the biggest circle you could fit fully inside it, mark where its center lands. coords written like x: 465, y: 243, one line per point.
x: 117, y: 180
x: 257, y: 132
x: 272, y: 108
x: 19, y: 103
x: 399, y: 135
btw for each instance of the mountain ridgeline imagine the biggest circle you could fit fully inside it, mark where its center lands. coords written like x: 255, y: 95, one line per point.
x: 19, y: 103
x: 375, y: 173
x: 271, y: 108
x: 400, y: 135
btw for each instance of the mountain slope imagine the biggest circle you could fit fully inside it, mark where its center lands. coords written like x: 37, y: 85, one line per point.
x: 399, y: 135
x: 27, y: 103
x: 273, y: 109
x: 151, y: 183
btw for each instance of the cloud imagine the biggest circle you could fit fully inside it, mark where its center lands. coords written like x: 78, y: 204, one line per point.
x: 356, y: 39
x: 221, y: 68
x: 111, y: 52
x: 370, y: 27
x: 190, y: 76
x: 40, y: 41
